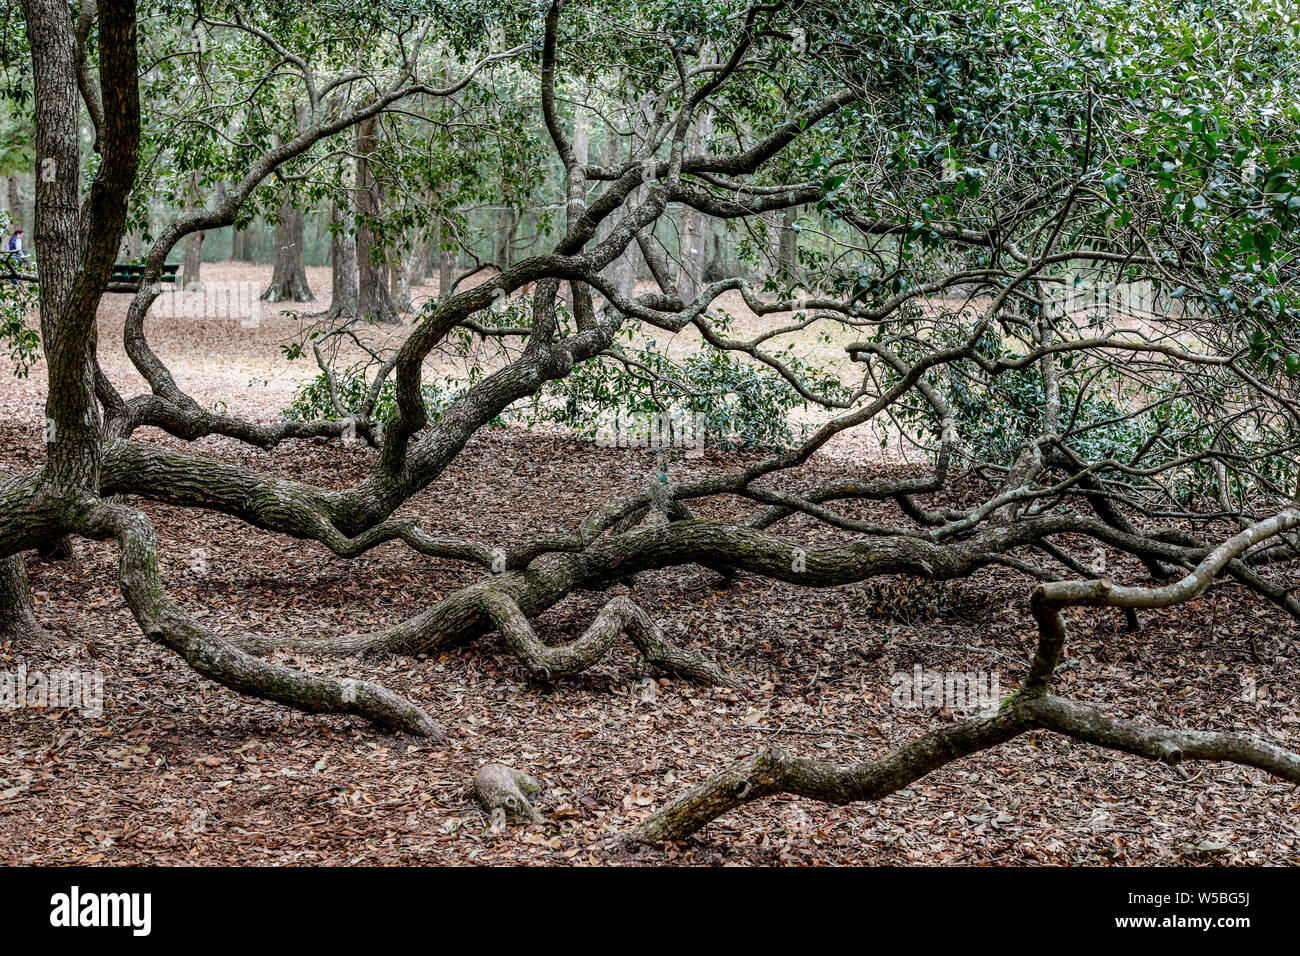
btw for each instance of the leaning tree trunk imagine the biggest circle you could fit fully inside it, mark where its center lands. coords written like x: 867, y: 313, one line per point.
x: 190, y: 272
x: 289, y: 278
x: 376, y: 304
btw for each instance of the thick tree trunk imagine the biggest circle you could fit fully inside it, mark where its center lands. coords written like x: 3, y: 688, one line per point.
x: 17, y: 615
x: 289, y: 277
x: 77, y: 236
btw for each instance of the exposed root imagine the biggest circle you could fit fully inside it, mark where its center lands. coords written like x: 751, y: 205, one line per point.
x: 619, y: 616
x: 504, y: 791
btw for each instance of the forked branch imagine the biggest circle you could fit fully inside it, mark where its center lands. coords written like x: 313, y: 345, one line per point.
x: 772, y: 771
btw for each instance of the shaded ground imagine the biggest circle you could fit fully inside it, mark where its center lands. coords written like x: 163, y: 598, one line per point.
x: 177, y: 770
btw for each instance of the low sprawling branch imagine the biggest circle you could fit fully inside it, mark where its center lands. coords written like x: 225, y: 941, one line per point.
x: 772, y: 771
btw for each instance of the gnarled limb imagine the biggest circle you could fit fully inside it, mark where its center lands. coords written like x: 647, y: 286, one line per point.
x: 163, y: 622
x: 1161, y: 743
x: 619, y: 616
x: 773, y: 771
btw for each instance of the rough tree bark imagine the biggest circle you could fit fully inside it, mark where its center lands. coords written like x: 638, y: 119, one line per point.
x: 77, y: 240
x: 577, y: 194
x: 17, y: 613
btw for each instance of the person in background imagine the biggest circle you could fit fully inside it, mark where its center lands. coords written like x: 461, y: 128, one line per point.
x: 14, y: 256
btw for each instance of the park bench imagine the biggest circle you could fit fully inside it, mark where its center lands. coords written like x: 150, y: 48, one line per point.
x: 126, y: 276
x: 12, y: 263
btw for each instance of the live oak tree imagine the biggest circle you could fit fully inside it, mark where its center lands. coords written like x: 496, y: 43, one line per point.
x: 960, y: 177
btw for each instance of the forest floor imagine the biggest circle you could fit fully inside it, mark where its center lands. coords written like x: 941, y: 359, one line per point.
x: 177, y: 770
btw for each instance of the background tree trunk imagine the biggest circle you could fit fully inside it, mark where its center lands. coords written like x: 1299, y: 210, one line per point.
x: 343, y: 263
x: 190, y: 272
x: 13, y: 201
x: 400, y: 280
x: 445, y: 255
x: 581, y: 155
x: 695, y: 226
x: 622, y: 271
x: 289, y: 277
x: 241, y: 246
x: 785, y: 246
x: 375, y: 301
x: 418, y: 263
x: 131, y: 249
x: 505, y: 236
